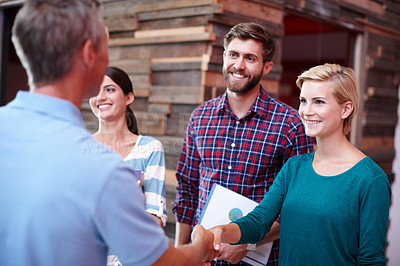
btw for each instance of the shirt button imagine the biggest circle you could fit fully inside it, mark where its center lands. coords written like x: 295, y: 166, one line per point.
x: 229, y: 167
x: 237, y: 122
x: 233, y: 145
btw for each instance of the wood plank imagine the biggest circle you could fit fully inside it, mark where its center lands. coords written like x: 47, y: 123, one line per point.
x: 120, y: 7
x: 114, y: 53
x: 256, y: 10
x: 151, y: 123
x: 176, y: 94
x: 373, y: 142
x: 133, y: 66
x: 177, y: 78
x: 378, y: 78
x: 380, y: 154
x: 383, y: 64
x: 382, y: 92
x: 160, y: 108
x: 371, y: 6
x: 176, y: 64
x: 378, y: 131
x: 173, y: 4
x: 176, y: 59
x: 386, y: 105
x: 139, y: 105
x: 231, y: 18
x: 172, y: 145
x: 213, y: 79
x: 170, y: 32
x: 178, y: 119
x: 142, y: 92
x: 380, y: 119
x: 120, y: 23
x: 387, y: 31
x: 140, y: 80
x: 180, y: 12
x: 194, y: 21
x: 184, y: 49
x: 206, y: 36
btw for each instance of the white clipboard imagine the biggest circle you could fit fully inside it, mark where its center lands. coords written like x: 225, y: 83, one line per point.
x: 224, y: 206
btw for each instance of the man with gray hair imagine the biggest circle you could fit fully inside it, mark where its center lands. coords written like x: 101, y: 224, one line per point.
x: 63, y: 200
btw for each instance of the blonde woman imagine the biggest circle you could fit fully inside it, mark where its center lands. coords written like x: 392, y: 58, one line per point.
x: 333, y: 202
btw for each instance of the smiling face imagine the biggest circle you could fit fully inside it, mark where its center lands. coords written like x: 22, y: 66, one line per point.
x: 110, y: 103
x: 243, y: 65
x: 319, y: 110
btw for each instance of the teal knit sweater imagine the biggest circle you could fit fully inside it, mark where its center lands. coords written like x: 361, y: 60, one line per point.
x: 325, y: 220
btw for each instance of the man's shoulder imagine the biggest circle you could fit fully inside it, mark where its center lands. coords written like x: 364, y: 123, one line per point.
x: 84, y: 152
x: 281, y: 106
x: 281, y: 111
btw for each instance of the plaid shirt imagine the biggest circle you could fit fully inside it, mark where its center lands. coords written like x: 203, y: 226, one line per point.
x: 243, y: 155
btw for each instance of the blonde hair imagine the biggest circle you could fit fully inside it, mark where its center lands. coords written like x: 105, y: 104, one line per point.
x: 344, y: 85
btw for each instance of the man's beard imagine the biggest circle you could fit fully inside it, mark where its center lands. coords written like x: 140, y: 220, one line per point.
x: 250, y: 84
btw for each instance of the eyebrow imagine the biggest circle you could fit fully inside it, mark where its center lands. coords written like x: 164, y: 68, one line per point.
x: 248, y: 54
x: 314, y: 98
x: 108, y: 85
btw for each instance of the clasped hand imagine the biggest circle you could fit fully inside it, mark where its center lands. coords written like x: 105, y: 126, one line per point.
x: 213, y: 238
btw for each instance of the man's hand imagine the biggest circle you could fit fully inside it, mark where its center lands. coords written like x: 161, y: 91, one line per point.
x: 232, y: 253
x: 205, y: 238
x: 224, y: 234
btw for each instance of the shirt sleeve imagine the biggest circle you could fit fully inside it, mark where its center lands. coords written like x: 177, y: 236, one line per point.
x: 374, y: 214
x: 298, y: 142
x: 256, y: 224
x: 123, y: 223
x: 154, y: 182
x: 187, y: 175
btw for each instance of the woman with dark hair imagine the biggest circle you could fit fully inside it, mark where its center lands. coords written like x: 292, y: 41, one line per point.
x: 118, y: 130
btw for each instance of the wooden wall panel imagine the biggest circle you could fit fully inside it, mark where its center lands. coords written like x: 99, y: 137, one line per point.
x: 380, y: 116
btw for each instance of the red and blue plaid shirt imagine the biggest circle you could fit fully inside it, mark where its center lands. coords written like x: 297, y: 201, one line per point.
x: 244, y: 155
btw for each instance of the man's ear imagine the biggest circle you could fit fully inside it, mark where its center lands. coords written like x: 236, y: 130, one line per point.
x: 88, y: 54
x: 267, y: 67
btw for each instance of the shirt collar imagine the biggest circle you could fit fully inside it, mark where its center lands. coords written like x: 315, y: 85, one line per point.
x: 259, y: 107
x: 51, y: 106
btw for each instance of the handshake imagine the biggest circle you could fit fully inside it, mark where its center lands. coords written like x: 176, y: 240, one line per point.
x: 209, y: 243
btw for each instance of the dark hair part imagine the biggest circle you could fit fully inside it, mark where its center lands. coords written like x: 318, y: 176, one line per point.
x: 47, y: 35
x: 251, y: 30
x: 122, y: 79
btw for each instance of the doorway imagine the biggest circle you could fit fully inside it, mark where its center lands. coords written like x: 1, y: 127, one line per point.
x: 307, y: 43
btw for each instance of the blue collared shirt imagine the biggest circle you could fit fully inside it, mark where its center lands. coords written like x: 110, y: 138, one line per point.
x: 64, y: 198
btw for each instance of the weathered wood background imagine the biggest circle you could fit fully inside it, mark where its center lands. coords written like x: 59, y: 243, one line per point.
x: 173, y: 52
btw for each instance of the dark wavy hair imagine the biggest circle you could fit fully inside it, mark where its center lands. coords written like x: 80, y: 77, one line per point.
x: 122, y: 79
x: 257, y: 32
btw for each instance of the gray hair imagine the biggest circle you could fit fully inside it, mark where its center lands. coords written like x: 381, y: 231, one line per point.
x: 47, y: 35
